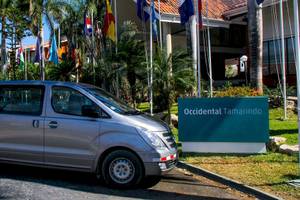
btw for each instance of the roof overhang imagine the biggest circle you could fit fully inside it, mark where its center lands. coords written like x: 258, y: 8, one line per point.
x: 217, y: 23
x: 243, y: 10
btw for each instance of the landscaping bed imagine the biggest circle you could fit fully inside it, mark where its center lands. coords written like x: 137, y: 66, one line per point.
x: 268, y: 172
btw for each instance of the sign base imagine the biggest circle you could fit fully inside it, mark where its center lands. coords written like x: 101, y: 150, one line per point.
x: 223, y: 147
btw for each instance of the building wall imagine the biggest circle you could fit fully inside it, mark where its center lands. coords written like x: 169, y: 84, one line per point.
x: 272, y: 61
x: 271, y: 19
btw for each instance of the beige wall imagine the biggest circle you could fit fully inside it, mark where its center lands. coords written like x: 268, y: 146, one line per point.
x: 271, y: 19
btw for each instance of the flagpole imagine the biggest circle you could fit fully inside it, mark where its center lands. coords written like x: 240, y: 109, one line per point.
x: 209, y: 53
x: 43, y: 54
x: 116, y: 32
x: 297, y: 63
x: 198, y: 48
x: 151, y: 62
x: 59, y: 36
x: 25, y: 64
x: 93, y: 47
x: 283, y: 60
x: 160, y: 26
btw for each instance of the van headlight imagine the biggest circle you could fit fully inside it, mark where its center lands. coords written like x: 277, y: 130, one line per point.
x: 152, y: 138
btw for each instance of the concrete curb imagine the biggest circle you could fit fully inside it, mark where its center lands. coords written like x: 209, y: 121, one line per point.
x: 226, y: 181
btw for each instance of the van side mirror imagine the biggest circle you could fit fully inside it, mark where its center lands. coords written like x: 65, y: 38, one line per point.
x: 90, y: 111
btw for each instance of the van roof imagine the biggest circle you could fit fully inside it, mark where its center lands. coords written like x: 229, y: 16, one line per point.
x: 23, y: 82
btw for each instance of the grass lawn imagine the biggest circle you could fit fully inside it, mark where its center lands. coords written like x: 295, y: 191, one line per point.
x: 268, y: 172
x: 287, y: 128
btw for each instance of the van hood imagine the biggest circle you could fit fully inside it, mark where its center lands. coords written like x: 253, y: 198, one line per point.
x: 148, y: 122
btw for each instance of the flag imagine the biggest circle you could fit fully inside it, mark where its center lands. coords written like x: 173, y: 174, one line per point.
x: 186, y: 10
x: 53, y: 50
x: 154, y: 19
x: 62, y: 52
x: 38, y: 52
x: 259, y: 2
x: 141, y: 13
x: 200, y: 20
x: 21, y: 61
x: 109, y: 23
x: 88, y: 27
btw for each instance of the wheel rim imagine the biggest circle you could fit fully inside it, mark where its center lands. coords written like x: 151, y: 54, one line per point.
x: 121, y: 170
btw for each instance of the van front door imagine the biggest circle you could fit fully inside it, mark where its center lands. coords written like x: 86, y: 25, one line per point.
x: 21, y: 123
x: 70, y: 137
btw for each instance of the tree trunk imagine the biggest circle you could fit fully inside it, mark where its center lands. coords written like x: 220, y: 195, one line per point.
x: 255, y: 31
x: 3, y: 43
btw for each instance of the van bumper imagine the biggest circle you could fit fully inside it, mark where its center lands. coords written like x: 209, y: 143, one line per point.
x: 159, y: 162
x: 159, y: 168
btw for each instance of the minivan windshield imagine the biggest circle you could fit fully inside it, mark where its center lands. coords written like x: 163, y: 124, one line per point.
x: 112, y: 102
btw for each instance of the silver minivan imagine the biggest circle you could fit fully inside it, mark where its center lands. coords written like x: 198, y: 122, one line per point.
x: 82, y: 127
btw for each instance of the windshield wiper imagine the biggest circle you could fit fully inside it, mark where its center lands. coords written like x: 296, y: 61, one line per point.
x: 134, y: 112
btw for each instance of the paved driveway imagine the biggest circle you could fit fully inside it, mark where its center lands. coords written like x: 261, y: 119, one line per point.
x: 17, y: 182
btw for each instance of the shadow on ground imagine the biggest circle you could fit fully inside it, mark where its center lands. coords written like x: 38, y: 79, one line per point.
x: 173, y: 186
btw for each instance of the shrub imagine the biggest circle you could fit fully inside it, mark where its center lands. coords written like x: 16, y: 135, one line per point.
x: 236, y: 92
x: 275, y: 95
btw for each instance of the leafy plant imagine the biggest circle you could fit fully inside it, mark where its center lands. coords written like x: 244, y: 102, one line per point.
x: 231, y: 91
x: 61, y: 72
x: 275, y: 94
x: 173, y: 76
x: 131, y: 58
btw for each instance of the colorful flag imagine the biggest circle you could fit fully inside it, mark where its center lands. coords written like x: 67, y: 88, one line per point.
x: 38, y: 51
x: 186, y: 10
x: 21, y: 61
x: 109, y: 23
x: 88, y: 26
x: 200, y: 19
x: 259, y: 2
x: 141, y: 13
x: 53, y: 50
x: 154, y: 19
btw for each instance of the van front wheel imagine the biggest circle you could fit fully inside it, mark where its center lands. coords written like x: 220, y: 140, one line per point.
x: 122, y: 169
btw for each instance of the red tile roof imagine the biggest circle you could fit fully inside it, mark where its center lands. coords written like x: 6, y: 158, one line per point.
x: 216, y: 8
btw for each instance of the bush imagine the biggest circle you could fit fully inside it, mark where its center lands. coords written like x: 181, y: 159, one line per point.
x: 275, y: 95
x: 236, y: 92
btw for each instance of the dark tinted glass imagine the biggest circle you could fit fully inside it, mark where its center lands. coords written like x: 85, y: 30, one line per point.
x: 26, y: 100
x: 69, y: 101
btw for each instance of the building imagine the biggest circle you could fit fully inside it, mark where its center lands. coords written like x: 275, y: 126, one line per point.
x: 227, y: 21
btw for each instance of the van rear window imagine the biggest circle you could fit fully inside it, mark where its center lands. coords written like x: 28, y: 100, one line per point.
x: 24, y: 100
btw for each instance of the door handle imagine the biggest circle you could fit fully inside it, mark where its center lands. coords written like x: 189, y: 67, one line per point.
x: 36, y: 123
x: 53, y: 124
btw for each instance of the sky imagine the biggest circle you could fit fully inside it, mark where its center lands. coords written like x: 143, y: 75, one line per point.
x: 32, y: 39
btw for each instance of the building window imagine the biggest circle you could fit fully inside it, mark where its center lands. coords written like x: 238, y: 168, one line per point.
x: 272, y: 57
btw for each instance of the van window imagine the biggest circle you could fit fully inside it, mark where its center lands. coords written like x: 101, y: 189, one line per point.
x: 112, y: 102
x: 25, y: 100
x: 69, y: 101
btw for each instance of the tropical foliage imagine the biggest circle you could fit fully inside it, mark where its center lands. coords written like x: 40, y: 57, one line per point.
x: 120, y: 68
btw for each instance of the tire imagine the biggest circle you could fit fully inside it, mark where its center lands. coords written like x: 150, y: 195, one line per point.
x: 150, y: 181
x: 122, y: 169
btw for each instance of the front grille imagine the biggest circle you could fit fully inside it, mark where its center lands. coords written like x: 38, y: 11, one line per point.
x: 170, y: 139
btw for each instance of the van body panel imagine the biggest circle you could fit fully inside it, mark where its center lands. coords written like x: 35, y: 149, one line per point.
x: 19, y: 140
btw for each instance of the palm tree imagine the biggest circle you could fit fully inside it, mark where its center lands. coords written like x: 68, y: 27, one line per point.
x: 255, y: 31
x: 5, y: 6
x: 131, y: 56
x: 168, y: 86
x: 51, y: 9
